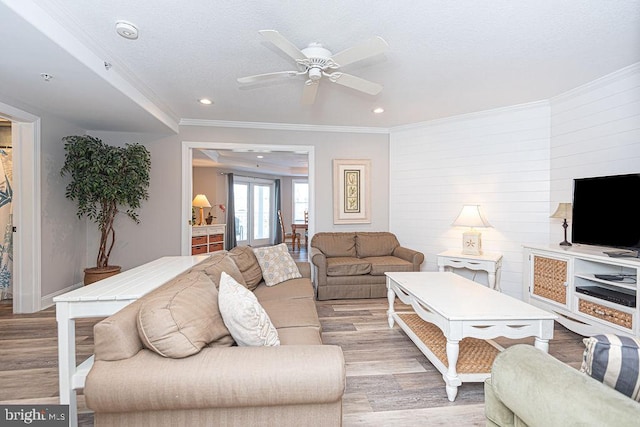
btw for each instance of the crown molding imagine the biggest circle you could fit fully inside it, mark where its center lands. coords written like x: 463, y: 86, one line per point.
x: 282, y: 126
x: 605, y: 80
x: 474, y: 115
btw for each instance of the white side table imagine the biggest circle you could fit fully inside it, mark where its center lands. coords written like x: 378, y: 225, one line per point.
x: 491, y: 262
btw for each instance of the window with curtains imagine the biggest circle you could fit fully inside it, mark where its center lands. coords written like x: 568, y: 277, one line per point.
x: 300, y: 190
x: 254, y: 211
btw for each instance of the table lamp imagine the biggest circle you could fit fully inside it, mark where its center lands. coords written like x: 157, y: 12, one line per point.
x: 201, y: 202
x: 563, y: 212
x: 471, y: 216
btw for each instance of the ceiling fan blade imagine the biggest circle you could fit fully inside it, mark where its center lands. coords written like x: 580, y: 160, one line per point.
x: 356, y: 83
x: 283, y: 44
x: 371, y: 47
x: 268, y: 76
x: 309, y: 92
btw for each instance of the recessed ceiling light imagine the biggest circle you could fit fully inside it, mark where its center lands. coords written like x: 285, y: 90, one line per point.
x: 260, y: 157
x: 127, y: 30
x: 378, y: 110
x: 205, y: 101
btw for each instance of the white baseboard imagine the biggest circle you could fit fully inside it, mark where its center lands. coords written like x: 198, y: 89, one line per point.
x: 47, y: 300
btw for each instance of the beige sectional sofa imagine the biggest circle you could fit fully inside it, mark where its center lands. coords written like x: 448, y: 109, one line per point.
x: 352, y: 264
x: 145, y: 373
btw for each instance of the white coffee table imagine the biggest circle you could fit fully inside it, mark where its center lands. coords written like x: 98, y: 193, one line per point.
x: 462, y: 308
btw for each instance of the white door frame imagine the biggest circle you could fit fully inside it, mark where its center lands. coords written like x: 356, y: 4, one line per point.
x: 25, y: 135
x: 187, y: 178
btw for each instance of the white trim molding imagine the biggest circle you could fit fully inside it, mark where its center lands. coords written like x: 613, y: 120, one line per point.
x: 27, y: 261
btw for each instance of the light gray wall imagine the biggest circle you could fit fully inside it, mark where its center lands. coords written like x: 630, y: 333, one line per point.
x: 159, y: 232
x: 64, y: 246
x: 328, y: 146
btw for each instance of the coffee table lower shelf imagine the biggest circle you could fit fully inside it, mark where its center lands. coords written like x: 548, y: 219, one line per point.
x: 475, y: 357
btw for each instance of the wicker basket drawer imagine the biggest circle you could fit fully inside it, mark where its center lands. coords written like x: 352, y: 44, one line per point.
x: 215, y: 238
x: 605, y: 313
x: 199, y: 240
x: 550, y: 279
x: 197, y: 250
x: 215, y: 247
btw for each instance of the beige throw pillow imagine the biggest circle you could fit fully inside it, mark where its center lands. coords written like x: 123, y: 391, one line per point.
x: 246, y: 261
x: 181, y: 320
x: 276, y: 264
x: 243, y: 315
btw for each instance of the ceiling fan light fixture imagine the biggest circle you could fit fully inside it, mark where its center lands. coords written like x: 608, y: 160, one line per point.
x: 315, y: 73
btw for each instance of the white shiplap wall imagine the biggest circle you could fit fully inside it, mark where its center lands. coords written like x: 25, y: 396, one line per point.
x: 498, y: 159
x: 595, y: 131
x: 516, y: 162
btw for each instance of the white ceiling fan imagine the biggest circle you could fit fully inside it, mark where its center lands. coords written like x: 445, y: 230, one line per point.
x: 317, y: 62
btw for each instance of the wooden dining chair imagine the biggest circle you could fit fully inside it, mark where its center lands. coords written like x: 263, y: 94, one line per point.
x: 306, y: 230
x: 288, y: 236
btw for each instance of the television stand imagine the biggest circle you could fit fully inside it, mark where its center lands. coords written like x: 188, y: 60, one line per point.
x: 622, y: 254
x: 591, y: 291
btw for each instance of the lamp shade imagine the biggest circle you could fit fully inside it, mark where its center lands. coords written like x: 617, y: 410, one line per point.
x: 471, y: 216
x: 564, y: 211
x: 201, y: 201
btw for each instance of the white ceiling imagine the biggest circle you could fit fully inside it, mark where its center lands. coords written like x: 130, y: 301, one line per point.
x: 445, y: 57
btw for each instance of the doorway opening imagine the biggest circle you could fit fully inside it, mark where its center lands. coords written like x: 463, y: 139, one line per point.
x: 187, y: 176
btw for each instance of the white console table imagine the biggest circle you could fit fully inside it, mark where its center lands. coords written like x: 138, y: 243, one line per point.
x: 491, y: 262
x: 101, y: 299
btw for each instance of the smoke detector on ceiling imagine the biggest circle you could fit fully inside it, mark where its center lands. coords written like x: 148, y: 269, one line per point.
x: 127, y: 30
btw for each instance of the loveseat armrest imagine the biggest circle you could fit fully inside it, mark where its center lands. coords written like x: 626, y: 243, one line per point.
x: 319, y: 260
x: 540, y: 390
x: 218, y: 377
x: 305, y: 268
x: 414, y: 257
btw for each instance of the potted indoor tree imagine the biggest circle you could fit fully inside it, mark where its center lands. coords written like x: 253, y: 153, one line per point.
x: 105, y: 179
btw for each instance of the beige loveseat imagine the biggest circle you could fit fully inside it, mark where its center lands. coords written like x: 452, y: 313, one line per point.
x: 352, y: 264
x: 299, y: 382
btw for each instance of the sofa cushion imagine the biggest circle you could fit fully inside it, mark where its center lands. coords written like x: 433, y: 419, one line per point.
x: 276, y: 264
x: 300, y: 336
x: 291, y: 289
x: 215, y: 264
x: 375, y: 244
x: 247, y: 263
x: 247, y: 321
x: 292, y: 313
x: 347, y: 266
x: 181, y: 320
x: 615, y: 361
x: 382, y: 264
x: 335, y: 244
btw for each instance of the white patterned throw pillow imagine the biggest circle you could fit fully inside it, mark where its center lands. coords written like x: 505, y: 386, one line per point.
x: 243, y: 315
x: 276, y: 264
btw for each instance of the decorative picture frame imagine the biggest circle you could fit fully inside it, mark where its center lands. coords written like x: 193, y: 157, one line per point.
x: 351, y: 191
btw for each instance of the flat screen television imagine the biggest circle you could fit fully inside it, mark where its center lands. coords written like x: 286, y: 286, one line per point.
x: 602, y: 211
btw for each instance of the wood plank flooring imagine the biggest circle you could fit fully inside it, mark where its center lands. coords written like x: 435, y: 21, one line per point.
x: 389, y: 381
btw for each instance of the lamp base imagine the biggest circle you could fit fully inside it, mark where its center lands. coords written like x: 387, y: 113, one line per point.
x: 472, y: 243
x: 565, y: 242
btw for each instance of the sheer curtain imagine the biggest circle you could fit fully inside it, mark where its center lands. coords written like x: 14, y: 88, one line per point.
x: 6, y: 224
x: 230, y: 238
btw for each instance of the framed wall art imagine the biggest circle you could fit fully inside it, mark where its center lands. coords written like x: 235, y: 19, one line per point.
x: 351, y: 192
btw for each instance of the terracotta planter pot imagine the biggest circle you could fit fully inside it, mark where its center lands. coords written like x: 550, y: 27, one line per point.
x: 94, y: 274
